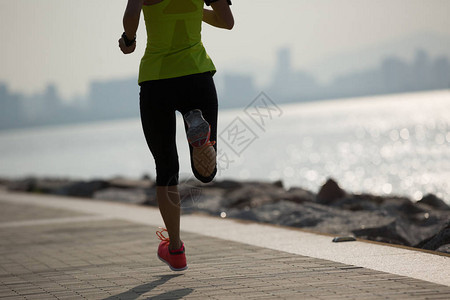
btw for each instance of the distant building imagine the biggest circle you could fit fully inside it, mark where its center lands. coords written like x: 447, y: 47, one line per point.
x: 288, y: 84
x: 113, y: 99
x: 238, y: 91
x: 10, y: 109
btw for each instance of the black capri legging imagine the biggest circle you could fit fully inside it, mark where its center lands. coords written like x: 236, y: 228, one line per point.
x: 159, y: 100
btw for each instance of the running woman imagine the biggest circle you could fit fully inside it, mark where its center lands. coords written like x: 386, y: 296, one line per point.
x: 175, y: 74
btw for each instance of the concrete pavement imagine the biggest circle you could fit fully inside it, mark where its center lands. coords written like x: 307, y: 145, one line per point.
x: 66, y: 248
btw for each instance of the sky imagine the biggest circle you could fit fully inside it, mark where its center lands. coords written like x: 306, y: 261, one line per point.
x: 71, y: 43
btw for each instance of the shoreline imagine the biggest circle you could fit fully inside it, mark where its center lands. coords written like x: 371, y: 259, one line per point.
x: 424, y: 224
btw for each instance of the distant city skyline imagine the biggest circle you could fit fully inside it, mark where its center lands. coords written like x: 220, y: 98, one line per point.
x: 391, y: 75
x: 115, y: 99
x: 71, y: 44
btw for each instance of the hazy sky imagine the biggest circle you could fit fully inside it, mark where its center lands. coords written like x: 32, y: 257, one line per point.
x: 70, y: 43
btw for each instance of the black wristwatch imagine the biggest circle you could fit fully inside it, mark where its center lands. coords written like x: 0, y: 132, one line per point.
x: 127, y: 41
x: 208, y: 2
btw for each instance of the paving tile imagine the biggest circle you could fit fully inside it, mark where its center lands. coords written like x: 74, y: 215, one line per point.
x: 114, y: 259
x: 13, y: 212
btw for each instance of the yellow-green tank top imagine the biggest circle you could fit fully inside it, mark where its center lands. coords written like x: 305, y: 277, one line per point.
x: 174, y: 46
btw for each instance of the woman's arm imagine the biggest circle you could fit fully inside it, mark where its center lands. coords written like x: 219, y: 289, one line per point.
x: 130, y: 24
x: 131, y: 17
x: 220, y: 16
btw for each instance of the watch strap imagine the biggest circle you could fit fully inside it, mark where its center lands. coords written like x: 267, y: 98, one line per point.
x: 127, y: 41
x: 208, y: 2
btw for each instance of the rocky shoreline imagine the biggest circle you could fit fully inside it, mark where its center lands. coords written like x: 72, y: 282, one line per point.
x: 398, y: 220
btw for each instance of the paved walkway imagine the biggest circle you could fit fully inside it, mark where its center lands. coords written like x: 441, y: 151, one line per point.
x: 66, y: 248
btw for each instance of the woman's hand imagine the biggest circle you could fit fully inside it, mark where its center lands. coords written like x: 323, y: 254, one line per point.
x: 124, y: 48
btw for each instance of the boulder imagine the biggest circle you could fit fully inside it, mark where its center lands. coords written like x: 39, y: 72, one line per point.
x: 358, y: 202
x: 298, y: 195
x: 330, y: 192
x: 399, y: 231
x: 394, y: 232
x: 253, y: 194
x: 226, y: 184
x: 37, y: 185
x: 437, y: 241
x: 84, y: 189
x: 136, y: 196
x: 125, y: 183
x: 22, y: 185
x: 434, y: 202
x: 400, y: 206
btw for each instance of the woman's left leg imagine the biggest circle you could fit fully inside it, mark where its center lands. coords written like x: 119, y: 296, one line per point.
x: 159, y: 125
x: 169, y: 205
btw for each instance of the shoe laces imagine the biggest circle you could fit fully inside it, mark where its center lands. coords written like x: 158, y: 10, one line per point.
x: 210, y: 143
x: 161, y: 236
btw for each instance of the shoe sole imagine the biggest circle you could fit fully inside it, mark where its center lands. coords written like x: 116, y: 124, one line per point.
x: 172, y: 268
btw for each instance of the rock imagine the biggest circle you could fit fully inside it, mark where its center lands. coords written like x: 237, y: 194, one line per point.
x: 399, y: 206
x: 37, y: 185
x: 136, y: 196
x: 249, y: 215
x: 332, y: 220
x: 226, y: 184
x: 358, y: 202
x: 394, y: 232
x: 444, y: 249
x: 399, y: 231
x: 330, y: 192
x: 84, y: 189
x: 434, y: 202
x: 253, y: 194
x: 190, y: 194
x: 146, y: 177
x: 298, y: 195
x: 438, y: 240
x: 58, y: 186
x: 392, y: 206
x: 4, y: 183
x: 151, y: 198
x: 125, y: 183
x: 278, y: 183
x: 22, y: 185
x: 208, y: 202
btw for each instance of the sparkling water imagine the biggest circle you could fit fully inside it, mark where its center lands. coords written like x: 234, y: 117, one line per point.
x: 395, y: 144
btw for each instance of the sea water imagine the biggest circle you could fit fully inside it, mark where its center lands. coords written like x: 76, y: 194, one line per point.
x: 394, y: 144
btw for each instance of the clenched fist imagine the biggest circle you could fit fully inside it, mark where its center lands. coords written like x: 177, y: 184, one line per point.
x: 124, y: 48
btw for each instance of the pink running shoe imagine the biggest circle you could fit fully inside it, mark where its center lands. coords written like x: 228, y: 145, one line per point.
x: 176, y: 259
x: 199, y: 130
